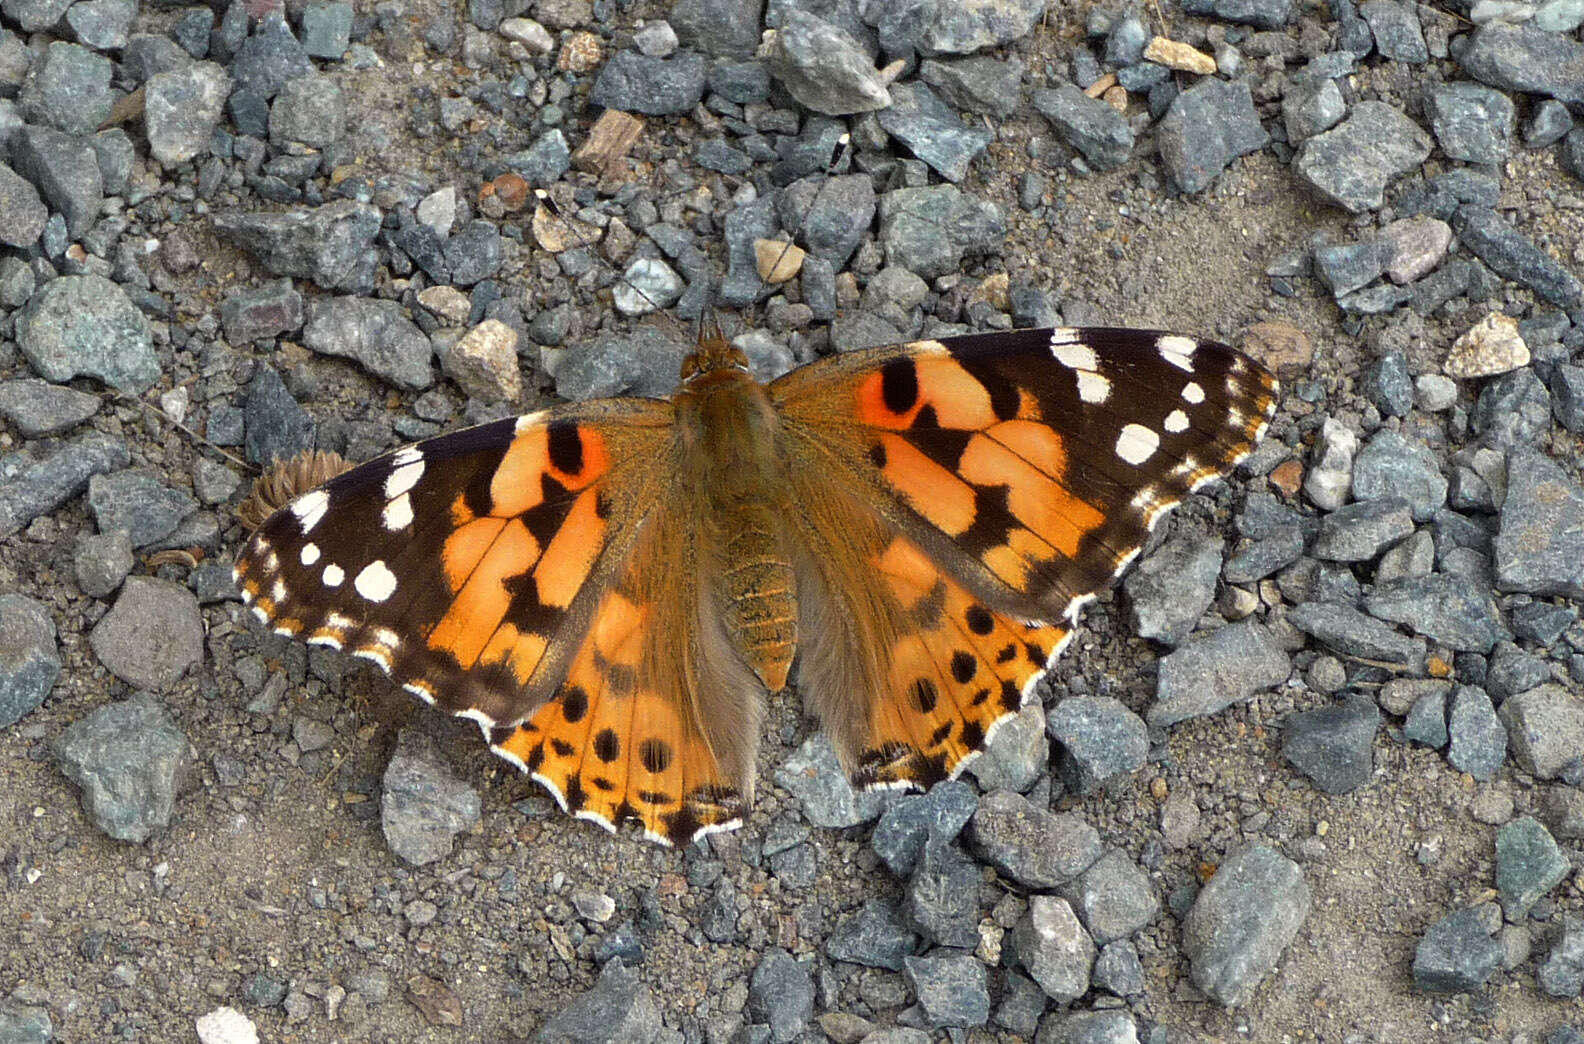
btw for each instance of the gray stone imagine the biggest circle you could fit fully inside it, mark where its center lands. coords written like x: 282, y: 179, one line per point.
x: 1311, y: 108
x: 1442, y: 608
x: 68, y: 88
x: 1088, y: 124
x: 942, y: 898
x: 1264, y: 14
x: 1334, y: 746
x: 1112, y: 898
x: 35, y: 15
x: 951, y: 990
x: 1396, y: 30
x: 719, y: 27
x: 1528, y: 865
x: 1358, y: 532
x: 1345, y: 267
x: 1456, y: 955
x: 131, y: 762
x: 1540, y: 546
x: 1211, y: 673
x: 618, y: 1007
x: 1242, y: 921
x: 278, y: 428
x: 1052, y: 946
x: 182, y: 108
x: 1088, y: 1027
x: 1118, y: 969
x: 137, y: 502
x: 1170, y: 588
x: 1017, y: 753
x: 815, y: 777
x: 781, y: 995
x: 980, y: 84
x: 326, y: 29
x: 1567, y: 397
x: 38, y: 409
x: 645, y: 362
x: 1471, y: 122
x: 261, y: 314
x: 152, y: 635
x: 1512, y: 411
x: 1545, y: 730
x: 1562, y: 973
x: 56, y: 476
x: 912, y: 819
x: 1492, y: 239
x: 1427, y: 720
x: 1548, y: 124
x: 834, y: 214
x: 1033, y: 846
x: 1392, y: 466
x: 309, y: 111
x: 1477, y: 741
x: 86, y: 326
x: 22, y: 213
x: 270, y: 58
x: 1208, y: 126
x: 1100, y: 740
x: 931, y: 130
x: 976, y: 25
x: 635, y: 82
x: 376, y: 334
x: 423, y: 805
x: 1352, y: 163
x: 875, y: 937
x: 929, y: 230
x: 332, y: 244
x: 1526, y: 58
x: 29, y: 662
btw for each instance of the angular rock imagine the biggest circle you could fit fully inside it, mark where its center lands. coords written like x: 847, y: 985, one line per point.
x: 1088, y: 124
x: 929, y: 230
x: 1509, y: 253
x: 1477, y: 743
x: 1351, y: 633
x: 1525, y: 58
x: 1170, y: 589
x: 1442, y: 608
x: 932, y: 131
x: 39, y: 410
x: 1545, y: 730
x: 1352, y: 163
x: 1033, y: 846
x: 1360, y: 531
x: 54, y: 478
x: 131, y: 762
x: 182, y: 108
x: 781, y: 995
x: 86, y: 326
x: 29, y: 661
x: 1540, y: 546
x: 951, y: 990
x: 1528, y: 865
x: 1100, y: 740
x: 618, y: 1007
x: 376, y: 334
x: 1208, y: 675
x: 1052, y: 946
x: 875, y: 937
x: 1471, y: 122
x: 423, y: 805
x: 824, y: 68
x: 332, y: 244
x: 1113, y: 898
x: 1456, y: 955
x: 912, y: 819
x: 1242, y: 921
x: 1334, y: 746
x: 1208, y: 126
x: 815, y: 777
x: 152, y: 635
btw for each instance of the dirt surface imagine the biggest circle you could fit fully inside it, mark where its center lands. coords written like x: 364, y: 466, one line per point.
x: 286, y: 874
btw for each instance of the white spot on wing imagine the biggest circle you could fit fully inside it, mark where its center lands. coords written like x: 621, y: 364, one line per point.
x: 374, y: 654
x: 479, y: 718
x: 329, y: 641
x: 1176, y: 422
x: 333, y: 575
x: 398, y: 482
x: 1093, y: 388
x: 1075, y: 356
x: 1192, y: 393
x: 1137, y: 444
x: 310, y: 508
x: 278, y: 592
x: 1178, y: 351
x: 259, y: 614
x: 406, y: 455
x: 528, y: 421
x: 398, y: 514
x: 376, y: 582
x: 421, y: 691
x: 309, y: 554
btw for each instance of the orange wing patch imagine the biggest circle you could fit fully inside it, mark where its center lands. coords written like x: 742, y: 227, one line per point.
x: 613, y: 748
x: 956, y: 672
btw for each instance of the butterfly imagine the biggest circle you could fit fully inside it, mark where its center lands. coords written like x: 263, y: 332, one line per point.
x: 611, y: 589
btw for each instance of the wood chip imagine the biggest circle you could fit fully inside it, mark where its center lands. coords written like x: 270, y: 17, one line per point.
x: 1176, y: 55
x: 608, y: 140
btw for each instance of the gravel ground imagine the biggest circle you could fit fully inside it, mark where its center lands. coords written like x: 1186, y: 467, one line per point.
x: 1314, y: 774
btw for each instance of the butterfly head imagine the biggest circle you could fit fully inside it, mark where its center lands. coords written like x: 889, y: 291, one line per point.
x: 713, y: 355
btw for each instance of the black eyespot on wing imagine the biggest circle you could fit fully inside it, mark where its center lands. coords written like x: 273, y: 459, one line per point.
x: 899, y: 387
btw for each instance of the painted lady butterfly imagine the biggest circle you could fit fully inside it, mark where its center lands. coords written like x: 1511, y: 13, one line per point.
x: 610, y: 589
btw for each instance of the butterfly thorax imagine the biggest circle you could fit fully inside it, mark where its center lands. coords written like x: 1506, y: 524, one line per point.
x: 736, y: 508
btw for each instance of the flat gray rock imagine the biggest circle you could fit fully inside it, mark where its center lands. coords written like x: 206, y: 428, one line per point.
x: 130, y: 761
x: 1242, y: 922
x: 152, y: 635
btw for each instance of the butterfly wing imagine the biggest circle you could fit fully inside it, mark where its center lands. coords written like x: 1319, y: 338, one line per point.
x: 531, y: 575
x: 994, y: 483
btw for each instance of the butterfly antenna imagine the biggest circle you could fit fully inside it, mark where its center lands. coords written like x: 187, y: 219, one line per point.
x: 838, y: 156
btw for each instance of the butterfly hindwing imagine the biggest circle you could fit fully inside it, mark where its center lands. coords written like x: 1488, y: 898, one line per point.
x: 1023, y: 471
